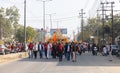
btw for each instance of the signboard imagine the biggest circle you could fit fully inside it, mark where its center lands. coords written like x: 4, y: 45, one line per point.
x: 63, y: 30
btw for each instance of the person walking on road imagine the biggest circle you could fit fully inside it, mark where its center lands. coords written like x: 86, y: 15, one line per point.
x: 48, y: 49
x: 40, y: 49
x: 60, y: 51
x: 79, y: 49
x: 45, y: 49
x: 104, y: 51
x: 67, y: 51
x: 54, y: 50
x: 74, y: 51
x: 35, y: 50
x: 30, y: 46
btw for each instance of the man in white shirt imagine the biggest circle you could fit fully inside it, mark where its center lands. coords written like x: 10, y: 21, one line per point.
x: 104, y: 51
x: 48, y: 49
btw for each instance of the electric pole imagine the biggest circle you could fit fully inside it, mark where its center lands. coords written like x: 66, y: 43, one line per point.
x: 103, y: 22
x: 98, y: 20
x: 112, y: 22
x: 25, y: 23
x: 81, y: 14
x: 0, y: 30
x: 112, y: 19
x: 44, y: 1
x: 51, y: 19
x: 58, y: 25
x: 73, y: 35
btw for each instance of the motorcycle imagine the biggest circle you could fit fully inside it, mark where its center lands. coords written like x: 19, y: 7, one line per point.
x: 118, y: 53
x: 95, y: 51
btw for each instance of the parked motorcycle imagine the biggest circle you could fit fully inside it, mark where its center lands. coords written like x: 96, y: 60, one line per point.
x: 95, y: 51
x: 118, y: 53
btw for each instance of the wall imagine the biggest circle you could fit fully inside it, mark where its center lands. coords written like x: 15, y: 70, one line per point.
x: 13, y: 56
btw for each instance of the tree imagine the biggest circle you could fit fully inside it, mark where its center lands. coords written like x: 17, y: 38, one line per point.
x: 20, y: 34
x: 96, y: 29
x: 30, y: 34
x: 12, y: 14
x: 5, y: 27
x: 93, y: 28
x: 9, y: 18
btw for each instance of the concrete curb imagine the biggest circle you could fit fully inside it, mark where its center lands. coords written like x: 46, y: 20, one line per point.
x: 13, y: 56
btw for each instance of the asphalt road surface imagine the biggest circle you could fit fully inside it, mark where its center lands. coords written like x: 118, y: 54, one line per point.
x: 86, y: 63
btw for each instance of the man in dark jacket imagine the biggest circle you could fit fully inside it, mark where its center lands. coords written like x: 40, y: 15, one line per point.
x: 60, y: 51
x: 54, y: 50
x: 40, y: 49
x: 67, y: 51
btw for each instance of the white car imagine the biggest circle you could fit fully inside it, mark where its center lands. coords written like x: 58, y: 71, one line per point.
x: 4, y: 50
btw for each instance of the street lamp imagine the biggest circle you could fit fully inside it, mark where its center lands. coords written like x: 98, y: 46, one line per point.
x: 44, y: 15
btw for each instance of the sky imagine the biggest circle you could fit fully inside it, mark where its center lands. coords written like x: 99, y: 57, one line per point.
x: 65, y: 13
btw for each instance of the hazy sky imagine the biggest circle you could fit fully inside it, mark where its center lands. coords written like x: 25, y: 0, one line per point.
x: 66, y: 12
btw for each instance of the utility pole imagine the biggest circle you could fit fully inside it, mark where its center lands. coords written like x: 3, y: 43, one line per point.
x: 103, y: 22
x: 98, y: 20
x: 58, y: 25
x: 77, y: 33
x: 51, y: 19
x: 81, y: 14
x: 25, y: 24
x: 73, y: 35
x: 44, y: 1
x: 44, y: 20
x: 44, y: 14
x: 112, y: 22
x: 0, y: 30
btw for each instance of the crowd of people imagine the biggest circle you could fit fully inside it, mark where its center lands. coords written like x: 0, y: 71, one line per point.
x: 59, y: 50
x: 15, y: 47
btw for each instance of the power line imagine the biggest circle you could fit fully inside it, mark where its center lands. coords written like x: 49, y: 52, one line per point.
x: 94, y: 8
x: 62, y: 19
x: 86, y: 4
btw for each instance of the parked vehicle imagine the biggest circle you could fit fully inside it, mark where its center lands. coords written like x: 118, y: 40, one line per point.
x: 118, y: 52
x: 114, y: 49
x: 4, y: 50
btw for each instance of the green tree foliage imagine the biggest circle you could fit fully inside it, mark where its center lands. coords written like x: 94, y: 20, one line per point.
x: 30, y: 34
x: 20, y: 34
x: 9, y: 18
x: 13, y: 15
x: 5, y: 27
x: 91, y: 29
x: 116, y: 25
x: 96, y: 29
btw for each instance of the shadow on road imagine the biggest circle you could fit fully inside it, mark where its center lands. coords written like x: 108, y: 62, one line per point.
x: 81, y: 61
x: 91, y: 61
x: 39, y: 60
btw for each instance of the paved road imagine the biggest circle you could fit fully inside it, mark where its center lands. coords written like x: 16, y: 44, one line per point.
x: 85, y: 64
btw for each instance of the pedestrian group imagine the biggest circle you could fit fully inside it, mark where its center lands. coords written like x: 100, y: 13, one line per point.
x: 59, y: 50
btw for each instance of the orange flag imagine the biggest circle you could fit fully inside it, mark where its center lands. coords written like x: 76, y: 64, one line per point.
x: 54, y: 38
x: 67, y: 40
